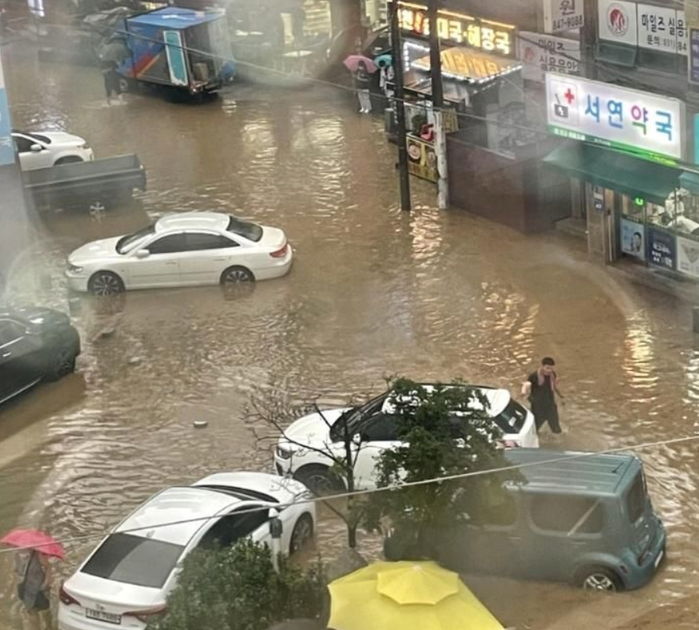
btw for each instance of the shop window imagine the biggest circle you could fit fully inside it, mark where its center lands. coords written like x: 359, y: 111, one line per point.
x: 679, y: 214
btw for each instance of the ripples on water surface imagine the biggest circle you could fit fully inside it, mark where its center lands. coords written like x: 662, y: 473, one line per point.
x: 373, y: 292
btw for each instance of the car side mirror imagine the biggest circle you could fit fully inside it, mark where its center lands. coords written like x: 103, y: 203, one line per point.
x: 36, y: 148
x: 142, y: 253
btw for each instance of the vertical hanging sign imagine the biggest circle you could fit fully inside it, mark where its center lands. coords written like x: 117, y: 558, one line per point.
x: 7, y: 149
x: 176, y: 63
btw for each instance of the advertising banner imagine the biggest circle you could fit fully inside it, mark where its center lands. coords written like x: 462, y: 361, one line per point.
x: 662, y: 250
x: 617, y: 21
x: 7, y: 149
x: 633, y: 239
x: 688, y: 256
x: 647, y: 124
x: 422, y: 159
x: 540, y: 54
x: 563, y: 15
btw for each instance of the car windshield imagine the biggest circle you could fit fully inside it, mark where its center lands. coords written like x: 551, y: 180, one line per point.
x: 250, y: 231
x: 511, y: 419
x: 126, y: 243
x: 134, y: 560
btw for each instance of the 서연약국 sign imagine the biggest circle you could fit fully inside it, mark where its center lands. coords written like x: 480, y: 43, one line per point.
x: 540, y: 54
x: 563, y: 15
x: 647, y: 124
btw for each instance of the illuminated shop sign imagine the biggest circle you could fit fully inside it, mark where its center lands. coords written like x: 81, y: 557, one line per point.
x: 457, y: 28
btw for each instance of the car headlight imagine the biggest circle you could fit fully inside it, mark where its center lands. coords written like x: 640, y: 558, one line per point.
x: 283, y: 453
x: 75, y: 268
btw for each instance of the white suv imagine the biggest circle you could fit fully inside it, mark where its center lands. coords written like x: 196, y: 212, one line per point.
x: 375, y: 423
x: 48, y: 148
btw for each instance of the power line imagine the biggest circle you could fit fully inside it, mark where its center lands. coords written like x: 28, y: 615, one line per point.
x: 393, y: 488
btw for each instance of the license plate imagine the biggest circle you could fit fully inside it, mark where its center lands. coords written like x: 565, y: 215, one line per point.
x: 102, y: 616
x: 659, y: 558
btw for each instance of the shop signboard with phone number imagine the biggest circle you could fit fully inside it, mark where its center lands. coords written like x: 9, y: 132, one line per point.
x: 458, y: 28
x: 646, y: 124
x: 541, y: 53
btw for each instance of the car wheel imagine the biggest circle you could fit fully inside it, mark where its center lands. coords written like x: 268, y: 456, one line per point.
x: 105, y: 283
x: 69, y: 159
x: 301, y: 534
x: 236, y: 275
x: 319, y: 480
x: 599, y: 579
x: 62, y: 364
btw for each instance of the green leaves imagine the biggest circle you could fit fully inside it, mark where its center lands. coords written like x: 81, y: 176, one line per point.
x: 236, y: 588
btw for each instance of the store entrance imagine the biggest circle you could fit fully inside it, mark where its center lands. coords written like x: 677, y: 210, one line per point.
x: 600, y: 211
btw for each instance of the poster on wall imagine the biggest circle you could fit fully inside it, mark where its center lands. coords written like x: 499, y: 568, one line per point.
x: 422, y: 159
x: 662, y: 249
x: 688, y: 256
x: 617, y: 21
x: 542, y: 53
x: 563, y: 15
x: 632, y: 239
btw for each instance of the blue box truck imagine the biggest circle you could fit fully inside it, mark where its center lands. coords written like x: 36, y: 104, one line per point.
x: 179, y: 48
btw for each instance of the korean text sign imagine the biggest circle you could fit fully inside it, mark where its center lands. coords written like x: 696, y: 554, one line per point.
x: 662, y: 250
x: 7, y: 149
x: 563, y: 15
x: 543, y: 53
x: 615, y: 116
x: 492, y: 37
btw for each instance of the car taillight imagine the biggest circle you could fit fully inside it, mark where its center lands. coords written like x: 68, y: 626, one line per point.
x: 66, y: 598
x: 147, y: 615
x: 280, y: 253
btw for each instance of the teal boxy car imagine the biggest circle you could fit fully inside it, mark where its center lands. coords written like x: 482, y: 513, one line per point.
x: 586, y: 520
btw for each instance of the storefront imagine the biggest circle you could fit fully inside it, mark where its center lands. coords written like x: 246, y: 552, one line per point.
x: 624, y: 156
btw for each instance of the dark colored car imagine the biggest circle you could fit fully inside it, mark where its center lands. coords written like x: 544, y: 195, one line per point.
x: 36, y: 344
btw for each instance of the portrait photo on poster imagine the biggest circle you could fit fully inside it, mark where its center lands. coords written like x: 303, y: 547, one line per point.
x: 633, y: 238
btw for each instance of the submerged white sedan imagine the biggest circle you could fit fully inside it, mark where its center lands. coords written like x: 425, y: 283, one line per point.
x: 179, y: 250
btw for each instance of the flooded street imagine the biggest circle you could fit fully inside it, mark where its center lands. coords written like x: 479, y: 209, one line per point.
x: 373, y: 292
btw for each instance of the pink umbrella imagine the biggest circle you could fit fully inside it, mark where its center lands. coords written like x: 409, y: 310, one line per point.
x: 34, y: 539
x: 352, y: 63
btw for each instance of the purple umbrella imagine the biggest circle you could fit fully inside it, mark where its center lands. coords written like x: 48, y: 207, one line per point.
x: 352, y: 63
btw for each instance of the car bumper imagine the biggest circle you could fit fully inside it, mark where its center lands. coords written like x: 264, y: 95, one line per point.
x: 73, y: 618
x: 640, y: 575
x: 76, y: 282
x: 277, y: 269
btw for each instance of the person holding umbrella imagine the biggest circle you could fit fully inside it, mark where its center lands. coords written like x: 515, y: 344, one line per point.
x: 32, y: 568
x: 361, y: 67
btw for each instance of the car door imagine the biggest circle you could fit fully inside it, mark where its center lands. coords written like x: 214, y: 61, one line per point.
x: 205, y: 257
x: 28, y: 159
x: 21, y: 362
x: 377, y: 433
x: 160, y: 266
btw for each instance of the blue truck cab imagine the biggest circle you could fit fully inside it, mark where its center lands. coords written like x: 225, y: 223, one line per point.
x: 177, y: 47
x: 580, y: 518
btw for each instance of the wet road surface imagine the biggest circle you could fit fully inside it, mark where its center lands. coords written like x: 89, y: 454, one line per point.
x: 373, y: 292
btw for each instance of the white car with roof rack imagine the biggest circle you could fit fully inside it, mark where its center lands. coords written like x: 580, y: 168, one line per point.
x: 180, y: 250
x: 126, y: 579
x: 375, y: 423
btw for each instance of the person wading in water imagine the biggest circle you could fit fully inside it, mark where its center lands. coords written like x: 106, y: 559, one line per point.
x: 541, y: 389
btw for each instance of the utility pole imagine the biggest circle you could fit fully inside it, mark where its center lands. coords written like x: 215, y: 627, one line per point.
x: 399, y: 102
x: 440, y: 141
x: 588, y: 39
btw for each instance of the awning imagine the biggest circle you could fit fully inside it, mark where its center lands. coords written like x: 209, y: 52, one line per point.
x: 690, y: 181
x: 617, y: 171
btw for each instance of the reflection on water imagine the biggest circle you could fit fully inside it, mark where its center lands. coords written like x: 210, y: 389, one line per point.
x: 373, y: 292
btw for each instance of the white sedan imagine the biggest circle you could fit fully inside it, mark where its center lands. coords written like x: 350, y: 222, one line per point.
x: 185, y: 249
x: 126, y: 580
x: 301, y: 449
x: 49, y: 148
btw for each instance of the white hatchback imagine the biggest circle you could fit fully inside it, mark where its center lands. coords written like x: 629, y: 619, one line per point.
x: 124, y: 583
x: 375, y: 423
x: 179, y: 250
x: 48, y: 148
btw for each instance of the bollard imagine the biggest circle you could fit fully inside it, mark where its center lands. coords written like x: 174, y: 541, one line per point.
x: 695, y: 319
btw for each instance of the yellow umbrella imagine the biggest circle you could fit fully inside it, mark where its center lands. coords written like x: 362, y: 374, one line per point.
x: 406, y: 596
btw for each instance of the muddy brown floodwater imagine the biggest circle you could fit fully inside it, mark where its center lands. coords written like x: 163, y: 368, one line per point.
x: 373, y: 292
